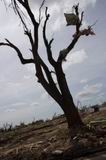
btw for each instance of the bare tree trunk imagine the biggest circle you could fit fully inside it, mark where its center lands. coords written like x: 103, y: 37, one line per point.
x: 67, y: 105
x: 71, y: 113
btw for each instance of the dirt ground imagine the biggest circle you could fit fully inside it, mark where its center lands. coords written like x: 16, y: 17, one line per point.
x: 41, y: 139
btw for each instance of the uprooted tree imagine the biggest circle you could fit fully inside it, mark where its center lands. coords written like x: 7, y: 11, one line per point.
x: 59, y: 91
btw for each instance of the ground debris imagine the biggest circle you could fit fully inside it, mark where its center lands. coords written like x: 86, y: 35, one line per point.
x: 51, y: 140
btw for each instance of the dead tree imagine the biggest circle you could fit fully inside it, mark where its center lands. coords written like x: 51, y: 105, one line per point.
x: 60, y: 94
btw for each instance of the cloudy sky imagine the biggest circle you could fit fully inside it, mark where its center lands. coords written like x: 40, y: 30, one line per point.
x: 22, y: 99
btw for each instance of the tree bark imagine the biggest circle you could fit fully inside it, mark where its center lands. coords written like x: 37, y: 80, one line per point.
x: 72, y: 115
x: 67, y: 105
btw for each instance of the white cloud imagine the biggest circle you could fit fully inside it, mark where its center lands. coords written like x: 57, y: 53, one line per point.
x: 58, y: 23
x: 19, y: 104
x: 17, y: 115
x: 44, y: 95
x: 84, y: 81
x: 30, y: 68
x: 27, y: 77
x: 8, y: 1
x: 84, y: 3
x: 10, y: 110
x: 75, y: 58
x: 14, y: 84
x: 57, y: 9
x: 85, y: 24
x: 90, y: 90
x: 34, y: 104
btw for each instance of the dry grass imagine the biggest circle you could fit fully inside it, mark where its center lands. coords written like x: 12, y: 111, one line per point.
x: 33, y: 139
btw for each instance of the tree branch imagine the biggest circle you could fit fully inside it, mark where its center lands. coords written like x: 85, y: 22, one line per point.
x: 37, y: 59
x: 35, y: 24
x: 21, y: 16
x: 48, y: 74
x: 40, y: 9
x: 30, y: 13
x: 62, y: 82
x: 48, y: 44
x: 28, y: 33
x: 63, y: 53
x: 23, y: 60
x: 26, y: 6
x: 49, y: 86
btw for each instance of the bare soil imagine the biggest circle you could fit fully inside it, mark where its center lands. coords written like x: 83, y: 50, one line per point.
x: 51, y: 139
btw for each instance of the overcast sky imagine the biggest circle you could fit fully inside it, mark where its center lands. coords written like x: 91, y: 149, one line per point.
x: 22, y: 99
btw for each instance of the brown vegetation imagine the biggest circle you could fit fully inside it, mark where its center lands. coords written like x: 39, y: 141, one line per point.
x: 51, y: 138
